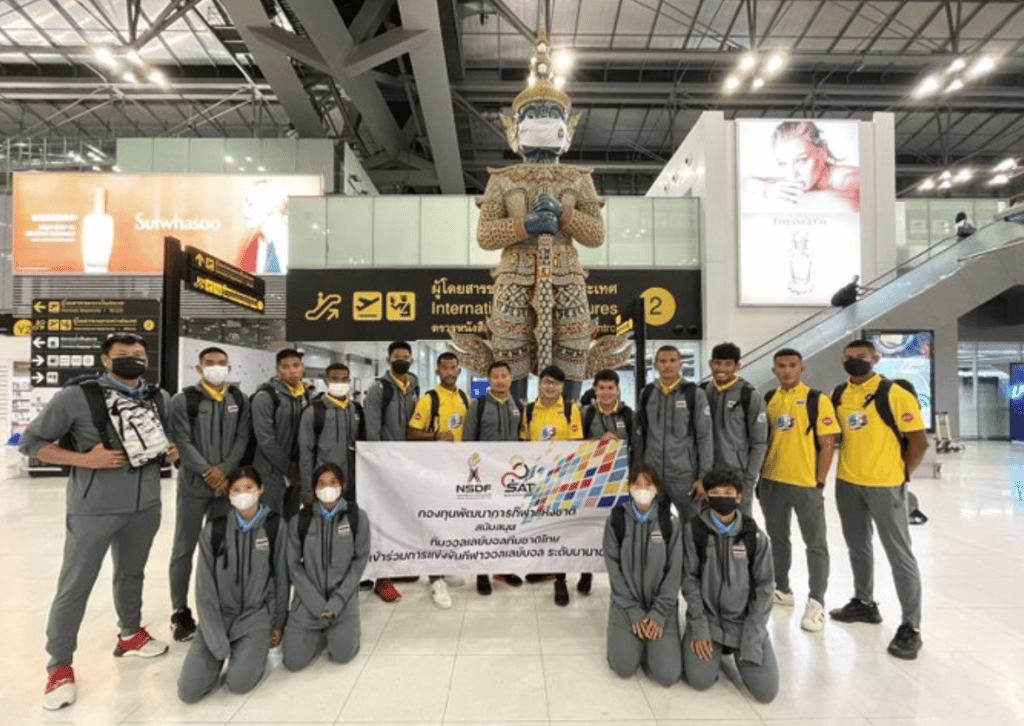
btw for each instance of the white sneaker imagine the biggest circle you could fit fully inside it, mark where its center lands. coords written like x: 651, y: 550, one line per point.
x: 455, y: 580
x: 439, y: 592
x: 814, y: 616
x: 60, y: 688
x: 783, y: 598
x: 141, y: 645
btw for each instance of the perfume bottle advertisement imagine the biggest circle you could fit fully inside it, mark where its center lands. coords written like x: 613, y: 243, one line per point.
x: 799, y: 202
x: 104, y: 224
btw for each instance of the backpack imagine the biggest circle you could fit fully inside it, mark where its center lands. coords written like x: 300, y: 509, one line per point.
x: 618, y: 517
x: 435, y: 406
x: 250, y: 449
x: 306, y: 517
x: 590, y: 413
x: 96, y: 398
x: 193, y: 397
x: 813, y: 403
x: 320, y: 419
x: 884, y: 407
x: 387, y: 394
x: 480, y: 412
x: 566, y: 411
x: 689, y: 395
x: 746, y: 393
x: 748, y: 530
x: 220, y: 527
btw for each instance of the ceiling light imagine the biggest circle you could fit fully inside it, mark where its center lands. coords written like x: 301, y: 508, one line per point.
x: 927, y: 184
x: 1006, y: 164
x: 532, y: 79
x: 748, y: 62
x: 248, y: 158
x: 958, y: 65
x: 985, y: 64
x: 260, y: 168
x: 559, y: 81
x: 927, y: 87
x: 133, y: 56
x: 96, y: 168
x: 945, y: 184
x: 775, y: 63
x: 998, y: 179
x: 104, y: 56
x: 130, y: 77
x: 757, y: 83
x: 156, y: 77
x: 947, y: 174
x: 116, y: 168
x: 241, y: 168
x: 731, y: 84
x: 964, y: 175
x: 562, y: 61
x: 229, y: 160
x: 955, y: 85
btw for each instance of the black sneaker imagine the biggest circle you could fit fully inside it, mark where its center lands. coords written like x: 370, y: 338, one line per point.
x: 585, y: 583
x: 561, y: 593
x: 917, y: 517
x: 365, y: 585
x: 483, y: 584
x: 857, y: 611
x: 512, y: 580
x: 906, y: 642
x: 183, y: 626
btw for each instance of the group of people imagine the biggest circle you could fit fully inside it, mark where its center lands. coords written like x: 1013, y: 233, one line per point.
x: 267, y: 492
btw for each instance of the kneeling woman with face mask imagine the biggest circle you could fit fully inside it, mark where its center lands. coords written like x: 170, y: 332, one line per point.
x: 241, y: 594
x: 328, y: 546
x: 644, y: 557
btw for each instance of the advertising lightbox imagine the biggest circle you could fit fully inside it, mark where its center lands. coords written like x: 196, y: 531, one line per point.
x: 908, y: 355
x: 799, y: 209
x: 1016, y: 396
x: 116, y: 223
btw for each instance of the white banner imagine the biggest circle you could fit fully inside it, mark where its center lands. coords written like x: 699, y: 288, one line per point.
x: 476, y: 508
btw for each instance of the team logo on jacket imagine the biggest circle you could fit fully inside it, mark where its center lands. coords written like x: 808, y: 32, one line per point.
x: 417, y: 416
x: 739, y: 551
x: 455, y: 421
x: 262, y: 543
x: 828, y: 421
x: 232, y: 408
x: 908, y: 417
x: 857, y: 420
x: 730, y: 405
x: 548, y: 432
x: 656, y: 536
x: 344, y: 528
x: 785, y: 422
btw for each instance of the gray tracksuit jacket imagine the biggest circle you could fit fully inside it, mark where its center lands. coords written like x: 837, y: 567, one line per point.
x: 668, y: 446
x: 392, y: 424
x: 327, y: 567
x: 277, y: 434
x: 741, y: 442
x: 498, y: 421
x: 93, y: 491
x: 337, y: 443
x: 235, y: 595
x: 641, y: 588
x: 219, y: 438
x: 717, y: 606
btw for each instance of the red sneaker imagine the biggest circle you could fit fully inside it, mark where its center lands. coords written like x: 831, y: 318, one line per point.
x: 386, y: 591
x: 142, y: 644
x: 60, y: 688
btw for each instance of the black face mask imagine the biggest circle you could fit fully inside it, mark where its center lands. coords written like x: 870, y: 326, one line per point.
x: 400, y: 367
x: 723, y: 505
x: 128, y: 368
x: 857, y: 366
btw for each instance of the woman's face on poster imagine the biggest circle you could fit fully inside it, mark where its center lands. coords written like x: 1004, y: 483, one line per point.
x: 799, y: 161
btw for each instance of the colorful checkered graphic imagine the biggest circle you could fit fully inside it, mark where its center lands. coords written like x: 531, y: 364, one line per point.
x: 594, y: 476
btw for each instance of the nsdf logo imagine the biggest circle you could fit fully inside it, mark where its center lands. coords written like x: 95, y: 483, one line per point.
x: 474, y: 488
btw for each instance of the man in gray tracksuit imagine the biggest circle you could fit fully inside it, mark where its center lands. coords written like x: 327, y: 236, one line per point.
x: 388, y: 411
x: 210, y: 425
x: 726, y: 613
x: 277, y: 407
x: 645, y: 571
x: 242, y: 599
x: 740, y: 431
x: 341, y: 421
x: 675, y: 432
x: 110, y: 506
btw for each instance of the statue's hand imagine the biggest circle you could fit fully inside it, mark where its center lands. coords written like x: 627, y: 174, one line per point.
x: 537, y: 223
x: 547, y: 203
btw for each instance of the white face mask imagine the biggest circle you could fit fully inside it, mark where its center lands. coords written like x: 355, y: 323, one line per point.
x: 328, y: 494
x: 215, y: 375
x: 543, y: 133
x: 244, y: 500
x: 643, y: 497
x: 338, y: 390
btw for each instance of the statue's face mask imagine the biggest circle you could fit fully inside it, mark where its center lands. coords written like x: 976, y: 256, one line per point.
x: 542, y: 126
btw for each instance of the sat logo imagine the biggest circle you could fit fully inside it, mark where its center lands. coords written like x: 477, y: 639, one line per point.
x: 517, y: 481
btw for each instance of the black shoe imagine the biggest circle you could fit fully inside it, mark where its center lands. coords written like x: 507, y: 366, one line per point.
x: 917, y: 517
x: 857, y: 611
x: 365, y: 585
x: 512, y: 580
x: 585, y: 583
x: 183, y: 626
x: 561, y: 593
x: 906, y: 642
x: 534, y: 577
x: 483, y: 584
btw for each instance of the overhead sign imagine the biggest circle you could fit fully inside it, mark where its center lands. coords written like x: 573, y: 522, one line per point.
x: 1016, y: 396
x: 70, y: 223
x: 205, y: 263
x: 11, y: 325
x: 215, y: 287
x: 431, y: 303
x: 68, y: 334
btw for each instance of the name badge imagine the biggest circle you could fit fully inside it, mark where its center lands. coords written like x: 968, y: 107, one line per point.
x: 730, y: 405
x: 344, y: 528
x: 515, y: 412
x: 620, y: 424
x: 739, y: 551
x: 656, y: 536
x: 681, y: 403
x: 232, y: 408
x: 262, y: 543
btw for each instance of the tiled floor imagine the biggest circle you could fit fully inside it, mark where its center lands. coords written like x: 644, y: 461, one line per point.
x: 516, y: 658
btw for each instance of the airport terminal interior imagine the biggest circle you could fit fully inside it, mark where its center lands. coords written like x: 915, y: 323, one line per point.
x: 602, y: 179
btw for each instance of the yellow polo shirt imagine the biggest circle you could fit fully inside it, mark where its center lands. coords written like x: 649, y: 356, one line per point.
x: 451, y: 413
x: 869, y: 454
x: 549, y: 423
x: 792, y: 458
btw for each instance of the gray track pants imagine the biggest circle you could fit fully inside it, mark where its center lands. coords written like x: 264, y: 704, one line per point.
x: 778, y: 502
x: 188, y: 523
x: 862, y: 510
x: 301, y: 644
x: 86, y: 541
x: 761, y: 680
x: 660, y: 658
x: 201, y: 670
x: 678, y: 492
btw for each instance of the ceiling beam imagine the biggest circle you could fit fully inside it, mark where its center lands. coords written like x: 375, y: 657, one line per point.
x: 379, y: 50
x: 297, y: 47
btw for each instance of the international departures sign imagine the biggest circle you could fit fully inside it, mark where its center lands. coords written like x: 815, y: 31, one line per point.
x: 356, y: 304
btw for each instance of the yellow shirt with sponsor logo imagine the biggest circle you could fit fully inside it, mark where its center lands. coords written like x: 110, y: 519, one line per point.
x: 869, y: 454
x: 451, y: 413
x: 549, y: 423
x: 791, y: 457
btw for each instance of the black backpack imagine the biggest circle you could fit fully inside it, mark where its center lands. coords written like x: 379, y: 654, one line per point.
x: 306, y: 517
x: 618, y: 517
x: 387, y: 394
x: 220, y: 526
x: 96, y: 398
x: 480, y: 402
x: 748, y: 530
x: 689, y: 395
x: 884, y: 407
x: 250, y: 450
x: 813, y: 404
x: 193, y: 397
x: 435, y: 405
x: 320, y: 419
x: 590, y: 413
x: 746, y: 393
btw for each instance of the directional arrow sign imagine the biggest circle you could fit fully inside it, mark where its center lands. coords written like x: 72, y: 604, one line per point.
x: 38, y: 361
x: 38, y: 377
x: 38, y: 342
x: 39, y: 306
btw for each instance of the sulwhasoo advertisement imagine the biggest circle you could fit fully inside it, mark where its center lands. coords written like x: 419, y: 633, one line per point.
x: 799, y: 206
x: 115, y: 223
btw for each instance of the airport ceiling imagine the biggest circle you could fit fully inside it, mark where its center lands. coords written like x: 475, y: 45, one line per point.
x: 416, y: 86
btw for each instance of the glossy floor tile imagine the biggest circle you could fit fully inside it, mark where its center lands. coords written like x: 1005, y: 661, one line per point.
x: 516, y: 658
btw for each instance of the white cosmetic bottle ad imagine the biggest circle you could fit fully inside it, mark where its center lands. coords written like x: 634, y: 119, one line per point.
x: 97, y: 234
